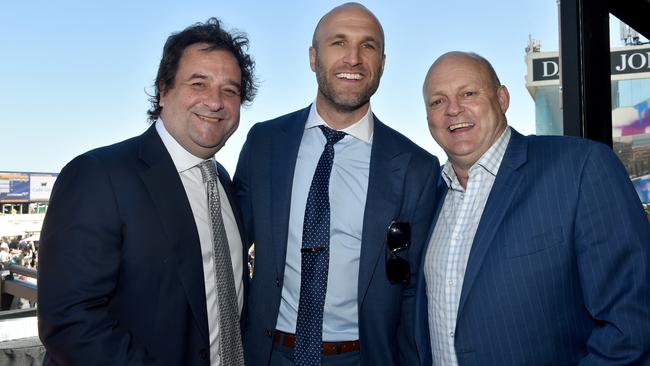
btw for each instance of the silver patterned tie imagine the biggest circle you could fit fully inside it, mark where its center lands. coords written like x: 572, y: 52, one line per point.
x: 230, y: 344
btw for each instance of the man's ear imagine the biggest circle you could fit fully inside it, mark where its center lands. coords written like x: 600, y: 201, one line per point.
x: 504, y: 98
x: 312, y: 58
x: 162, y: 91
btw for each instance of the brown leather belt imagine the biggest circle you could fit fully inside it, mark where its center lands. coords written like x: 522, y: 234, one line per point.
x: 329, y: 348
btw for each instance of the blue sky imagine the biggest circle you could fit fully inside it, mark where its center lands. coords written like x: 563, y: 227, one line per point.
x: 75, y: 73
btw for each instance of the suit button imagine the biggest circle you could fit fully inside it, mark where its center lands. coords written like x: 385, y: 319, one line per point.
x: 269, y: 333
x: 277, y: 282
x: 204, y: 354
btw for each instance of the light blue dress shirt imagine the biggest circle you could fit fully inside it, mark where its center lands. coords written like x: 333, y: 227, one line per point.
x: 347, y: 191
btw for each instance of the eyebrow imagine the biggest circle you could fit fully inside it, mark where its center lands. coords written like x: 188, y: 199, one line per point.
x: 234, y: 83
x: 470, y: 84
x: 432, y: 97
x: 205, y: 77
x: 197, y: 76
x: 364, y: 39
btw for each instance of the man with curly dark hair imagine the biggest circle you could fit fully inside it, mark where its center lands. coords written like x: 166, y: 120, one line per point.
x: 141, y: 258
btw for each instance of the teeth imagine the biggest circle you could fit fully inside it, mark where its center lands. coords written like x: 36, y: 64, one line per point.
x: 205, y: 118
x: 460, y: 125
x: 346, y: 75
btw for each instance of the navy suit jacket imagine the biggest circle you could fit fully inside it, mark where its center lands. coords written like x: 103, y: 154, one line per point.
x: 559, y: 270
x: 120, y: 270
x: 401, y: 187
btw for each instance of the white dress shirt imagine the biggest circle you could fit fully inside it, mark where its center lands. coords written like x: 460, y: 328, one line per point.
x: 450, y: 245
x: 196, y: 190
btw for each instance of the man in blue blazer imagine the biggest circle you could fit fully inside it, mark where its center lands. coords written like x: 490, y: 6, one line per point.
x: 126, y: 269
x: 378, y: 177
x: 540, y: 253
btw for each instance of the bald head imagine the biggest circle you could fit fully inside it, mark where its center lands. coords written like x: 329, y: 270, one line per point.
x: 468, y: 57
x: 344, y: 11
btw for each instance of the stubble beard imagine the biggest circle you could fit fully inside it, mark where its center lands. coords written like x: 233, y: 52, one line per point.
x: 342, y: 102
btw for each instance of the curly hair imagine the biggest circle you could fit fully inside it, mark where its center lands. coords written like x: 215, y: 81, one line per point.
x: 212, y: 33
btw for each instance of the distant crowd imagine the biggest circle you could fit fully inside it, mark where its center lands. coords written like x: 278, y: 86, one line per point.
x: 23, y: 252
x: 16, y: 250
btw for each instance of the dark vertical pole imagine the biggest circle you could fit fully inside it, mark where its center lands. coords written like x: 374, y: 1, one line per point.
x: 597, y: 72
x: 570, y: 71
x: 585, y: 69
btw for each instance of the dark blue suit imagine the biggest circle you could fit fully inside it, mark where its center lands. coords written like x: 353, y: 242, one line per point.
x: 559, y: 270
x: 120, y: 271
x: 401, y: 186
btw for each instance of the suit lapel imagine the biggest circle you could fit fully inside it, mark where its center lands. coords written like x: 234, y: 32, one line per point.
x: 441, y: 193
x: 386, y: 178
x: 168, y: 196
x: 284, y: 151
x: 422, y: 339
x: 505, y: 186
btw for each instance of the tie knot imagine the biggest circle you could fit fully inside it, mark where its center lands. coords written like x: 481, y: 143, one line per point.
x: 208, y: 170
x: 332, y: 136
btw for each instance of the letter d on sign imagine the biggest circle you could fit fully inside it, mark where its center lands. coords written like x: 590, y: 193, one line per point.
x: 551, y: 68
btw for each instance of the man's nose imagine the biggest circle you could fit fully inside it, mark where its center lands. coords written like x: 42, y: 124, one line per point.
x: 453, y: 107
x: 352, y: 56
x: 214, y: 100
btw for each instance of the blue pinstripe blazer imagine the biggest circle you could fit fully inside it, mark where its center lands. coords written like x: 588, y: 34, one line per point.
x: 559, y: 271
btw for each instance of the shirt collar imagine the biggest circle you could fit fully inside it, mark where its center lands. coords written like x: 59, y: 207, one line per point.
x: 490, y: 160
x: 362, y: 129
x: 183, y: 159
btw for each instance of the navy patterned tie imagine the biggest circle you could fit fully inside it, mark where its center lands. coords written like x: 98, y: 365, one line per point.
x: 230, y: 345
x: 315, y: 258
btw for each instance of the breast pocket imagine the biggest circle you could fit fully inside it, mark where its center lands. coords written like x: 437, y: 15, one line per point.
x: 535, y: 243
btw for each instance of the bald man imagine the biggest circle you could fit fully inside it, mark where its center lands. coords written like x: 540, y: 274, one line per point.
x: 540, y: 253
x: 337, y: 205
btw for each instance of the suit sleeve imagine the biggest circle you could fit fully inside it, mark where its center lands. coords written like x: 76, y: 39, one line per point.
x: 613, y: 249
x: 420, y: 224
x: 79, y: 260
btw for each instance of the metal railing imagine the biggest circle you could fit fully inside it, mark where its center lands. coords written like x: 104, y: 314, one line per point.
x: 19, y: 346
x: 12, y: 286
